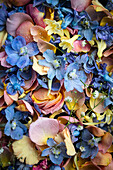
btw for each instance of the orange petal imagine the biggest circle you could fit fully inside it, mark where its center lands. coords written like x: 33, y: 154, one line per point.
x: 43, y: 46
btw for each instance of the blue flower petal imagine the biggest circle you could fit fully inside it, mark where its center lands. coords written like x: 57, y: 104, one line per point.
x: 57, y: 160
x: 10, y: 89
x: 12, y: 59
x: 7, y: 130
x: 9, y: 50
x: 49, y: 55
x: 45, y: 152
x: 88, y: 34
x: 51, y: 142
x: 32, y: 49
x: 51, y: 73
x: 17, y: 133
x: 23, y: 61
x: 44, y: 63
x: 18, y: 43
x: 13, y: 79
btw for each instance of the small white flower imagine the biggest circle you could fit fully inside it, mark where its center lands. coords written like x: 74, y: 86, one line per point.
x: 95, y: 94
x: 93, y: 115
x: 68, y: 99
x: 1, y: 150
x: 82, y: 148
x: 79, y: 127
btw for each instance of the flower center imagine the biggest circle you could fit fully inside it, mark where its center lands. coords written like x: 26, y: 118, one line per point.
x: 57, y: 63
x: 72, y: 74
x: 16, y: 86
x: 23, y: 50
x: 13, y: 125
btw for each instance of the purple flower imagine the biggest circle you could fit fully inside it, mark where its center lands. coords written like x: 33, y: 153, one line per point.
x: 74, y: 78
x: 56, y: 152
x: 56, y: 65
x: 19, y: 53
x: 88, y: 145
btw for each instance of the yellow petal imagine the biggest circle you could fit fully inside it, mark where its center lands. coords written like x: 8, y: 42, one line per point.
x: 25, y: 150
x: 101, y: 47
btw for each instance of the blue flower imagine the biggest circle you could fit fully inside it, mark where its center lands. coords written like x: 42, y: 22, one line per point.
x: 82, y: 22
x: 56, y: 167
x: 46, y: 83
x: 56, y: 152
x: 105, y: 33
x: 74, y: 132
x: 14, y: 127
x: 56, y: 65
x: 88, y: 145
x: 19, y: 53
x: 14, y: 85
x: 3, y: 16
x: 74, y: 78
x: 16, y: 9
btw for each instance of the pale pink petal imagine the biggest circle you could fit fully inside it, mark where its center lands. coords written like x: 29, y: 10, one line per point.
x: 28, y: 106
x: 7, y: 99
x: 30, y: 82
x: 36, y: 15
x: 14, y: 21
x: 24, y: 31
x: 42, y: 129
x: 80, y: 5
x: 3, y: 57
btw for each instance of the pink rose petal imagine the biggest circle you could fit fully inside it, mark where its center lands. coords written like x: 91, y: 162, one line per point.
x: 24, y: 31
x: 7, y: 99
x: 36, y: 15
x: 42, y: 129
x: 81, y: 46
x: 28, y: 106
x: 80, y: 5
x: 15, y: 20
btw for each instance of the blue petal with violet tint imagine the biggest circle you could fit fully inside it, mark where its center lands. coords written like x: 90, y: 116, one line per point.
x: 21, y: 90
x: 23, y: 61
x: 60, y: 73
x: 51, y: 73
x: 10, y: 89
x: 49, y: 55
x: 88, y: 34
x: 94, y: 152
x: 13, y: 79
x: 32, y: 49
x: 51, y: 142
x: 18, y: 115
x: 107, y: 102
x: 67, y: 20
x: 7, y: 130
x: 18, y: 43
x: 45, y: 152
x: 24, y: 128
x: 17, y: 133
x: 68, y: 85
x: 57, y: 160
x: 9, y: 113
x: 12, y: 59
x: 86, y: 135
x: 55, y: 2
x: 87, y: 152
x: 9, y: 50
x: 44, y: 63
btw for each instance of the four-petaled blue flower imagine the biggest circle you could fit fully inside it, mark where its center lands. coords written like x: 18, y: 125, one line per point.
x: 19, y: 53
x: 88, y: 145
x: 56, y: 152
x: 56, y: 65
x: 14, y: 85
x: 82, y: 22
x: 74, y: 78
x: 14, y: 127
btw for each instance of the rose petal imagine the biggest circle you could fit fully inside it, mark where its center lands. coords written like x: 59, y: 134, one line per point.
x: 24, y: 31
x: 7, y: 99
x: 81, y: 46
x: 44, y: 45
x: 15, y: 20
x: 19, y: 3
x: 42, y: 129
x: 96, y: 131
x: 105, y: 143
x: 80, y: 5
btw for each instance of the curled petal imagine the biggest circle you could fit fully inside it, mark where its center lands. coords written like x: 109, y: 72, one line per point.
x: 80, y: 5
x: 24, y: 31
x: 15, y: 20
x: 43, y: 46
x: 42, y: 129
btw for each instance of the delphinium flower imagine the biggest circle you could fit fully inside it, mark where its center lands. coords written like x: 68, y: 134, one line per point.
x: 3, y: 16
x: 14, y: 127
x: 19, y: 53
x: 105, y: 33
x: 74, y: 78
x: 15, y: 85
x: 75, y: 131
x: 88, y: 145
x: 56, y: 65
x: 85, y: 25
x: 56, y: 152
